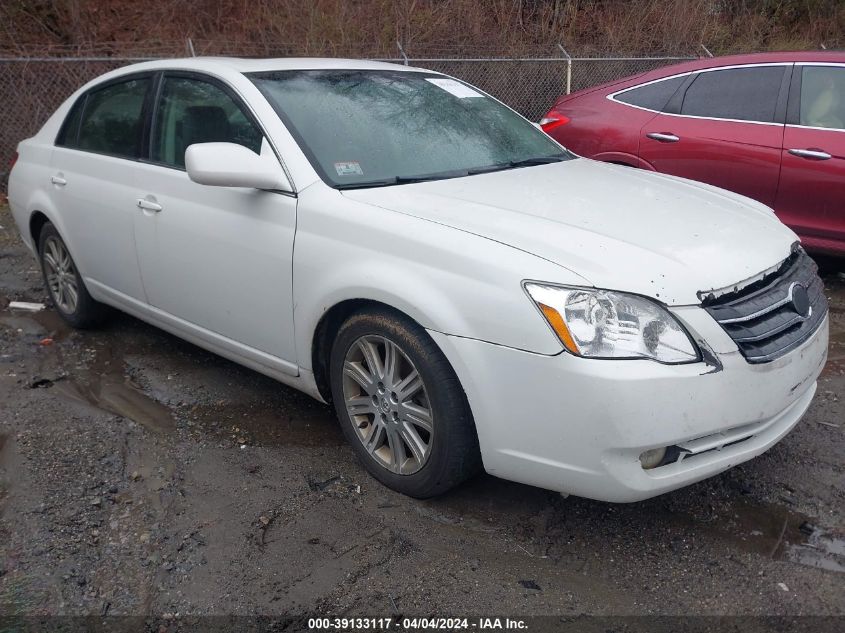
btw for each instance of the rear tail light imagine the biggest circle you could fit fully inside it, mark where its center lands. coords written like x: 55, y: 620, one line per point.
x: 13, y: 161
x: 553, y: 120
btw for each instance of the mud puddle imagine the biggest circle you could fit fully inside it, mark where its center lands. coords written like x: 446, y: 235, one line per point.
x: 119, y: 396
x: 770, y: 531
x: 44, y: 323
x: 102, y: 382
x: 106, y: 387
x: 781, y: 534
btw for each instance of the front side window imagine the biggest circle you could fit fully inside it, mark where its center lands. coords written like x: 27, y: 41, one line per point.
x: 111, y: 121
x: 652, y: 96
x: 194, y: 111
x: 823, y: 97
x: 745, y: 94
x: 379, y: 127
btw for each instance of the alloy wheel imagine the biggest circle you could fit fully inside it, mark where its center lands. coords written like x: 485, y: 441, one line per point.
x: 61, y: 275
x: 388, y: 404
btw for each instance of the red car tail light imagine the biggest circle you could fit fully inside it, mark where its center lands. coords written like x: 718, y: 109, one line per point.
x: 553, y: 120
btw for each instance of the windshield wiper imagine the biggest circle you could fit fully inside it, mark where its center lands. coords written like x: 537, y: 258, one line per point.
x: 525, y: 162
x: 366, y: 184
x: 402, y: 180
x: 444, y: 175
x: 539, y: 160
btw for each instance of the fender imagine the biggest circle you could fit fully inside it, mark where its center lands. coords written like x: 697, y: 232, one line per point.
x: 40, y: 202
x: 447, y: 280
x: 361, y: 282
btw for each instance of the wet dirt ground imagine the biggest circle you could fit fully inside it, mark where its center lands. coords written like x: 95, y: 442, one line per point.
x: 140, y: 474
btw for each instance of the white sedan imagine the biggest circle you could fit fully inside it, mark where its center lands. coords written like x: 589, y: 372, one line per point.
x: 466, y: 292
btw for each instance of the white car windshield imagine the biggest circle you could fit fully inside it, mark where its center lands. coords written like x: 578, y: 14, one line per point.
x: 367, y: 128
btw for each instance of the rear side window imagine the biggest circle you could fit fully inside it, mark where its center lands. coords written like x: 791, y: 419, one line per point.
x: 823, y: 97
x: 194, y: 111
x: 69, y: 133
x: 111, y: 121
x: 745, y: 94
x: 652, y: 96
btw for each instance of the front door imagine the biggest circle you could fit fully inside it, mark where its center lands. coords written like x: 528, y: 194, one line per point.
x: 726, y: 132
x: 219, y: 259
x: 811, y: 196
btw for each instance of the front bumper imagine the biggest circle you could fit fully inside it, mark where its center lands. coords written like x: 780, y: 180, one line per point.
x: 578, y: 426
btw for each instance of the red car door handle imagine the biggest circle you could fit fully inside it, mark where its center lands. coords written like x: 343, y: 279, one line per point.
x: 812, y: 154
x: 663, y: 137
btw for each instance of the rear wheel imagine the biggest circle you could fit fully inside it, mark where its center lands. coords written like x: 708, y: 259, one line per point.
x: 64, y: 283
x: 401, y: 406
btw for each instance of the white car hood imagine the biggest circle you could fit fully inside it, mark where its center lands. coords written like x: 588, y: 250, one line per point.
x: 617, y: 227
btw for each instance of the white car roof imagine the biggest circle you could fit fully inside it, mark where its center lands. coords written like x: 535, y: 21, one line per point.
x: 245, y: 65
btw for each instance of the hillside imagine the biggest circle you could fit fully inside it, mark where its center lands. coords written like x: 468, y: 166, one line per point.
x: 432, y: 27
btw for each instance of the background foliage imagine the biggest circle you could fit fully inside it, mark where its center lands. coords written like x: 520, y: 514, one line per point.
x: 372, y: 26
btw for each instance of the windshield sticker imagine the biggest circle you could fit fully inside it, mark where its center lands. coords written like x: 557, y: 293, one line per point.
x: 455, y: 88
x: 349, y: 168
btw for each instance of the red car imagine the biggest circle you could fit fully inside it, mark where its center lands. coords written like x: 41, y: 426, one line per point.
x: 770, y: 126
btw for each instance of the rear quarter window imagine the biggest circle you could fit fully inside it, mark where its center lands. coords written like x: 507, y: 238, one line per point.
x: 69, y: 132
x: 653, y: 96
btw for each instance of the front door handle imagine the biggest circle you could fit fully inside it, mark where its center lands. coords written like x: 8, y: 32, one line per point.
x: 663, y: 137
x: 58, y: 180
x: 813, y: 154
x: 148, y: 205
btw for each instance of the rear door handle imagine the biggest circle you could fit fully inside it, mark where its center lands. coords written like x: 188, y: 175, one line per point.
x: 813, y: 154
x: 58, y: 180
x: 663, y: 137
x: 148, y: 205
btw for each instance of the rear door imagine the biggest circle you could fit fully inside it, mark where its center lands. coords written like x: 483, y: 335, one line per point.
x: 610, y: 130
x: 725, y: 128
x: 811, y: 195
x: 92, y: 174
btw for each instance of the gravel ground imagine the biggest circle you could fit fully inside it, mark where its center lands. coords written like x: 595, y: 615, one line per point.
x: 142, y: 475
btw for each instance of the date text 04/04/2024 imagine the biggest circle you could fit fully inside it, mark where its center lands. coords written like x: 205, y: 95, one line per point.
x: 414, y: 624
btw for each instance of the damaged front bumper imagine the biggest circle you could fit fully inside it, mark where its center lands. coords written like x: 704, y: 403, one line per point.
x: 579, y: 425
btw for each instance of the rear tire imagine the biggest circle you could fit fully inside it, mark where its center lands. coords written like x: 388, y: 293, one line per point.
x: 401, y: 406
x: 64, y: 284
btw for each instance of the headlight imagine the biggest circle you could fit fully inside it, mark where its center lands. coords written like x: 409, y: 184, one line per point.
x: 603, y: 324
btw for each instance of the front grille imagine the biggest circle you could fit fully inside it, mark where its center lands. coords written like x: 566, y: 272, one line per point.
x: 775, y: 314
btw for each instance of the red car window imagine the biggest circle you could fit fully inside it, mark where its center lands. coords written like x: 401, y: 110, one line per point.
x: 653, y: 96
x: 823, y: 97
x: 745, y: 94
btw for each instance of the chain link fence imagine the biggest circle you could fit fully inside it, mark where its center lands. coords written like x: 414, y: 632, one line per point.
x: 531, y: 85
x: 31, y: 87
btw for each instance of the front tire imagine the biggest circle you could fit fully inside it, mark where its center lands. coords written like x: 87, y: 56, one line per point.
x: 401, y: 406
x: 64, y: 283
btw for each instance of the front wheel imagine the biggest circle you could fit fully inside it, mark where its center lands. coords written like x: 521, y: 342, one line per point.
x: 401, y: 406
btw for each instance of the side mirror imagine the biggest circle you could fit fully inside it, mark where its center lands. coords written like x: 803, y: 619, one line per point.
x: 233, y: 165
